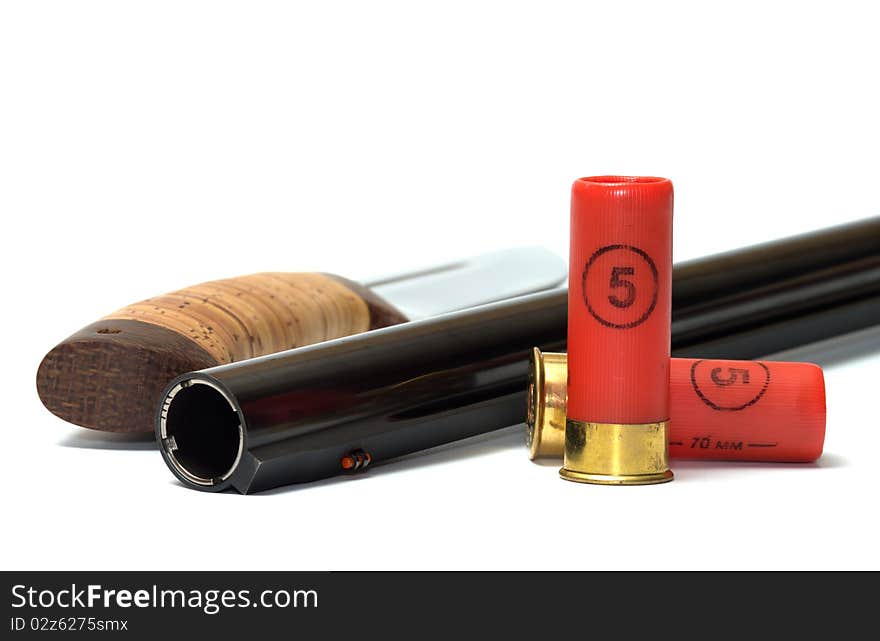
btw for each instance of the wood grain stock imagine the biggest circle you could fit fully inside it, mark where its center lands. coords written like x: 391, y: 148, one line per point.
x: 110, y: 374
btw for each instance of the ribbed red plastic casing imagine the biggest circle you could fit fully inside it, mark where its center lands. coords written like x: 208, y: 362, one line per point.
x: 619, y: 301
x: 746, y: 410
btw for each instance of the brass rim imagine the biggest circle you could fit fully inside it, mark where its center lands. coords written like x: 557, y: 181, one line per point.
x: 535, y: 411
x: 610, y: 479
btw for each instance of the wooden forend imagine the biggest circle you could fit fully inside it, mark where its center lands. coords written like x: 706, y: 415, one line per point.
x: 110, y: 374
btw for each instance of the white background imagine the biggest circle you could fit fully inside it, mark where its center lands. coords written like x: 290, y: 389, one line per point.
x: 152, y: 145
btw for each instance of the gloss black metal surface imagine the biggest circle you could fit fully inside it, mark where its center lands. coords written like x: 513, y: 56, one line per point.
x: 387, y: 393
x: 403, y: 389
x: 716, y: 277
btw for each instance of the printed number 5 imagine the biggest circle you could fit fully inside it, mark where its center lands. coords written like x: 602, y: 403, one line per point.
x: 735, y: 372
x: 617, y: 282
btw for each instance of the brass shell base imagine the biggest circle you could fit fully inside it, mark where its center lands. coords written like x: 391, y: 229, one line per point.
x: 548, y: 391
x: 616, y: 479
x: 616, y: 454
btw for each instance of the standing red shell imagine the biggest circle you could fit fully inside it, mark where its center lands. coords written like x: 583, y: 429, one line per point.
x: 620, y: 299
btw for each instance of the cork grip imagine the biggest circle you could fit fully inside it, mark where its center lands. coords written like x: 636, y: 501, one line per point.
x: 110, y: 374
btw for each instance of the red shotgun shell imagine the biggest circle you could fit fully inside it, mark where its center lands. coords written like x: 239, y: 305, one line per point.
x: 719, y: 409
x: 619, y: 316
x: 747, y: 410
